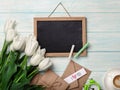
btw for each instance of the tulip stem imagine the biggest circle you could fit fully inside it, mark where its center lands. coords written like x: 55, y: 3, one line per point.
x: 24, y: 63
x: 23, y: 66
x: 2, y: 54
x: 19, y: 78
x: 33, y: 73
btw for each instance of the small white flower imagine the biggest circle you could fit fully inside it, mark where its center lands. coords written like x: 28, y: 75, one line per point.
x: 10, y: 34
x: 45, y: 64
x: 31, y: 45
x: 36, y: 58
x: 19, y: 43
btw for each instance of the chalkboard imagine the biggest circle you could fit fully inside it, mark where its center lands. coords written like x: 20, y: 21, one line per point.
x: 58, y: 34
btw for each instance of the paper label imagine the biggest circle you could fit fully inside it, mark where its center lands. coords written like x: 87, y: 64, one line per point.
x: 75, y: 76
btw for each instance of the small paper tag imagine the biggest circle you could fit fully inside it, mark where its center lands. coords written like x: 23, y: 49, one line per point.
x: 75, y: 76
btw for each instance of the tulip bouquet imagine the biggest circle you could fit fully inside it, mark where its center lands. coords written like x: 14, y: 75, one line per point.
x: 20, y: 60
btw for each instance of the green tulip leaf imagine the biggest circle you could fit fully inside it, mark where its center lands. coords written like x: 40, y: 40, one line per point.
x: 9, y: 69
x: 19, y: 86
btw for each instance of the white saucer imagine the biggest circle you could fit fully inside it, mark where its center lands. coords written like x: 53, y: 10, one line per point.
x: 108, y: 79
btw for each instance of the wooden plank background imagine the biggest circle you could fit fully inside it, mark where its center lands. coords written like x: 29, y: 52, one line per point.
x: 103, y: 29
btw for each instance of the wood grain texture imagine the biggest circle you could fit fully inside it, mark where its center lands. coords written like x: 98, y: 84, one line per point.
x: 48, y: 5
x: 96, y: 22
x: 96, y: 61
x: 103, y: 29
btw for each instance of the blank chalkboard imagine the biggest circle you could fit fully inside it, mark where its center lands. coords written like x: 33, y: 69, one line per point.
x: 58, y: 34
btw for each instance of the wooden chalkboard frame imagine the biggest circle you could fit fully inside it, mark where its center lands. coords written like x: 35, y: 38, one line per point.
x: 84, y: 39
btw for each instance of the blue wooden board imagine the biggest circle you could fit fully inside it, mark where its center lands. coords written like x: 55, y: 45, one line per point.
x: 103, y: 29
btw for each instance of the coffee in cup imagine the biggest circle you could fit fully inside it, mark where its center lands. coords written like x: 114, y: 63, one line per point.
x: 116, y: 81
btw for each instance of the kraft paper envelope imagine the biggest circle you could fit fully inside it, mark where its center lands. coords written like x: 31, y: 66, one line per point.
x: 50, y: 80
x: 72, y: 68
x: 35, y: 80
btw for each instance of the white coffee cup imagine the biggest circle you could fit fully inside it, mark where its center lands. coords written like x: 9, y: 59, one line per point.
x: 112, y: 79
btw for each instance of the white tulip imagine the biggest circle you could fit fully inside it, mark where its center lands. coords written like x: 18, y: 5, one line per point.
x: 47, y: 67
x: 19, y: 43
x: 10, y: 24
x: 41, y: 51
x: 45, y: 64
x: 10, y: 34
x: 31, y: 46
x: 36, y: 58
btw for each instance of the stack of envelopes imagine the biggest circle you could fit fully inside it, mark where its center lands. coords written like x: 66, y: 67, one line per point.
x: 53, y: 82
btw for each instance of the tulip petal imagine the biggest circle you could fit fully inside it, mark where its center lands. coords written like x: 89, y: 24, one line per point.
x: 44, y: 63
x: 38, y: 50
x: 36, y: 59
x: 31, y: 46
x: 19, y: 43
x: 10, y: 34
x: 48, y: 66
x: 23, y: 47
x: 10, y: 24
x: 43, y: 51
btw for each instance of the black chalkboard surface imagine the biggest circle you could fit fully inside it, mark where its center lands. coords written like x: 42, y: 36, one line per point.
x: 58, y: 34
